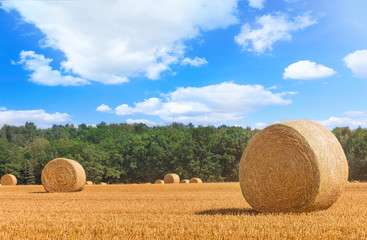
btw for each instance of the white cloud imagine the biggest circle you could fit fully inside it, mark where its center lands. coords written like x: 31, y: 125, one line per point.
x: 213, y: 104
x: 42, y: 73
x: 104, y: 108
x: 357, y: 62
x: 39, y: 117
x: 259, y: 4
x: 197, y: 62
x: 260, y: 125
x: 306, y: 70
x: 145, y: 121
x: 271, y: 28
x: 2, y: 108
x: 353, y: 119
x: 110, y: 41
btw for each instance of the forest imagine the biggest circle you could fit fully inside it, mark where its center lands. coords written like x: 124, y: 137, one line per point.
x: 123, y: 153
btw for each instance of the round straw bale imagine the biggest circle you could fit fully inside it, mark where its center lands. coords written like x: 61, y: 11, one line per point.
x: 171, y: 178
x: 159, y: 181
x: 185, y: 181
x: 63, y: 175
x: 8, y: 179
x: 103, y: 183
x: 195, y: 180
x: 293, y: 166
x: 89, y: 183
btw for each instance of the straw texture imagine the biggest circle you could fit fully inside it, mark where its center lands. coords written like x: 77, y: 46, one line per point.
x: 293, y: 166
x: 195, y: 180
x: 63, y: 175
x: 171, y: 178
x: 159, y: 181
x: 185, y: 181
x: 8, y: 179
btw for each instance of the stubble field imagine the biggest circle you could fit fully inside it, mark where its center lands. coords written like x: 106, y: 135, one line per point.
x: 180, y: 211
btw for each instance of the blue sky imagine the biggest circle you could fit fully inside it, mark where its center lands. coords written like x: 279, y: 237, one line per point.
x: 206, y: 62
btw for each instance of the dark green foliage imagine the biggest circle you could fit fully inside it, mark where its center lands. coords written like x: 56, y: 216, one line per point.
x: 122, y: 153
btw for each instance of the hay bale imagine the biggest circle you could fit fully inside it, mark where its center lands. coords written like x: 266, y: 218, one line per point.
x: 293, y: 166
x: 185, y: 181
x: 63, y: 175
x: 89, y: 183
x: 171, y: 178
x: 8, y: 179
x: 195, y: 180
x: 159, y: 181
x: 103, y: 183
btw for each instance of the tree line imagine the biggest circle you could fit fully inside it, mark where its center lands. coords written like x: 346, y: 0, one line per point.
x: 123, y: 153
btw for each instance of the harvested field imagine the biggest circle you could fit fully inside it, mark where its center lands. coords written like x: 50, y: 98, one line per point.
x: 170, y: 211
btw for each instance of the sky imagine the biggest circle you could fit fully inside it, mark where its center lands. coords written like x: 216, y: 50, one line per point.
x: 205, y: 62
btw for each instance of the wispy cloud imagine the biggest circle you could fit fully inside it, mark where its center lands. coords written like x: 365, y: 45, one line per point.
x: 197, y: 62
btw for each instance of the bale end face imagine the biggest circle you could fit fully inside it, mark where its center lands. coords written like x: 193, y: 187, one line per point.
x: 185, y: 181
x: 159, y: 181
x: 195, y: 180
x: 63, y: 175
x: 293, y: 166
x: 171, y: 178
x: 8, y: 180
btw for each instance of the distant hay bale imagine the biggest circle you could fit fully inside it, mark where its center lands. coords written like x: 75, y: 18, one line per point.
x: 89, y: 183
x: 8, y: 179
x: 171, y: 178
x: 159, y: 181
x: 195, y: 180
x: 185, y: 181
x: 103, y: 183
x: 293, y: 166
x: 63, y: 175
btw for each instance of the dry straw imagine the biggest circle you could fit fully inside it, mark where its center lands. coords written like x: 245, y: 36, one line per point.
x: 171, y: 178
x: 293, y: 166
x: 195, y: 180
x: 63, y: 175
x: 89, y: 183
x: 159, y: 181
x: 8, y: 179
x: 185, y: 181
x: 103, y: 183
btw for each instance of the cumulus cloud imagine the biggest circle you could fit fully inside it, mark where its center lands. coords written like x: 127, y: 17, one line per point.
x: 259, y: 4
x: 111, y: 41
x: 352, y: 119
x: 39, y: 117
x: 260, y: 125
x: 104, y: 108
x: 357, y: 62
x: 197, y: 62
x: 213, y: 104
x: 2, y: 108
x: 306, y: 70
x: 270, y: 29
x: 43, y: 74
x: 145, y: 121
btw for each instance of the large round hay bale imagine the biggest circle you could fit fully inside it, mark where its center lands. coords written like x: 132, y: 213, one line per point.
x: 63, y: 175
x: 195, y: 180
x: 171, y: 178
x: 103, y: 183
x: 89, y: 183
x: 293, y: 166
x: 185, y: 181
x: 159, y: 181
x: 8, y: 179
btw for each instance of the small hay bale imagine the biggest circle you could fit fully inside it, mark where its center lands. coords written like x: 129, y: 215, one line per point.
x: 8, y: 179
x: 103, y: 183
x: 89, y: 183
x: 159, y: 181
x: 171, y: 178
x: 293, y: 166
x: 63, y: 175
x: 195, y: 180
x: 185, y: 181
